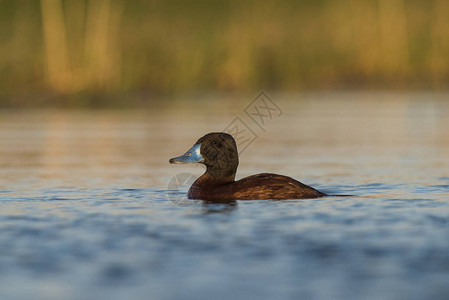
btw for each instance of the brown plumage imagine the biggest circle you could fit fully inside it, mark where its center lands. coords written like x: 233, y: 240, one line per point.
x: 218, y: 152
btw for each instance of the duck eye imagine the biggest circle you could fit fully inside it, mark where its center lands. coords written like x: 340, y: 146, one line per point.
x: 214, y: 142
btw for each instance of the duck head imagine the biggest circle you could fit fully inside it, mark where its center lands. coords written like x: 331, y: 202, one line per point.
x: 217, y: 151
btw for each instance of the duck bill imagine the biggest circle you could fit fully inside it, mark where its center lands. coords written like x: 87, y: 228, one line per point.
x: 191, y: 156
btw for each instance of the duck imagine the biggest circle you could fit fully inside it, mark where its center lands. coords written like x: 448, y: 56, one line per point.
x: 218, y: 152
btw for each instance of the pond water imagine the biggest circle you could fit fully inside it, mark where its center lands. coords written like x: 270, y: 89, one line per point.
x: 88, y: 211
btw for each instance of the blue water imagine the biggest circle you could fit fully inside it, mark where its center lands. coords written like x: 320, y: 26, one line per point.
x: 87, y: 211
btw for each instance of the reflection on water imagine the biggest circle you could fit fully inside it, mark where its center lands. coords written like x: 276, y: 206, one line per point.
x: 85, y: 212
x: 222, y: 207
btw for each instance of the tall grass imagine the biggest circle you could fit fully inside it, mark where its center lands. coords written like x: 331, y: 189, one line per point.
x: 97, y: 47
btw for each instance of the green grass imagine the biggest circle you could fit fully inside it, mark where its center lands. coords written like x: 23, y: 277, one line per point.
x: 78, y: 49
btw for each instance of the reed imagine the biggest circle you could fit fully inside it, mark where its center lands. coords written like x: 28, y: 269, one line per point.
x: 104, y: 47
x: 58, y: 70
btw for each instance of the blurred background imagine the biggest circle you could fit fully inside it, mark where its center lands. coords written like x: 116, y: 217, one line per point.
x: 80, y: 53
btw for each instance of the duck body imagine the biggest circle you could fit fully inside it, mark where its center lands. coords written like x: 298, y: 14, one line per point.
x: 255, y: 187
x: 218, y: 152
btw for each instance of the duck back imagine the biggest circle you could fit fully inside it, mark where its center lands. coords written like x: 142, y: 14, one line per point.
x: 256, y: 187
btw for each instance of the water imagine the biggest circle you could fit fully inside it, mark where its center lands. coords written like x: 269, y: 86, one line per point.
x: 85, y: 212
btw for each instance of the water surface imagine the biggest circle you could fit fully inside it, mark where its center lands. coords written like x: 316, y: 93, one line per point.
x: 86, y: 213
